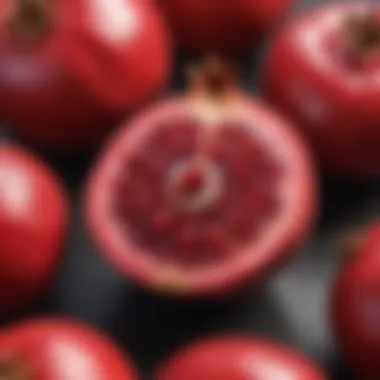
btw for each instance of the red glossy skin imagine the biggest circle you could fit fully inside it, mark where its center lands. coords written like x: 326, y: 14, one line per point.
x: 335, y: 106
x: 222, y: 25
x: 356, y: 307
x: 238, y: 359
x: 66, y: 88
x: 56, y: 349
x: 33, y: 223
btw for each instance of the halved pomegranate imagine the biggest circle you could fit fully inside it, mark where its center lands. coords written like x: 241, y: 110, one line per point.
x: 205, y: 191
x: 236, y: 358
x: 356, y: 305
x: 59, y: 349
x: 324, y: 73
x: 71, y: 69
x: 33, y: 224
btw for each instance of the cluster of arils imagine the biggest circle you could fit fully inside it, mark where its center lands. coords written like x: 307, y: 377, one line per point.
x: 196, y: 194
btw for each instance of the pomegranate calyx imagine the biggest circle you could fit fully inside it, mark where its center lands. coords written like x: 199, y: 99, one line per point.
x: 214, y: 80
x: 363, y: 34
x: 30, y: 18
x: 13, y: 370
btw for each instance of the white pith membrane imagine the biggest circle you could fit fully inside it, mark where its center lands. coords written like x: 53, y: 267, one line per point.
x: 199, y: 194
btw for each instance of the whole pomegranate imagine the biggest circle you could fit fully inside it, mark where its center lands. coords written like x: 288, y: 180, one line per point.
x: 235, y: 358
x: 33, y: 223
x: 323, y: 72
x: 57, y: 349
x: 202, y: 192
x: 224, y: 26
x: 69, y: 69
x: 356, y: 305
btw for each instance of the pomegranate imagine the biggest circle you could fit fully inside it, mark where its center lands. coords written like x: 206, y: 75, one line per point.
x: 235, y: 358
x: 33, y: 223
x: 69, y: 69
x: 203, y: 191
x: 221, y: 25
x: 323, y: 72
x: 57, y: 349
x: 356, y: 305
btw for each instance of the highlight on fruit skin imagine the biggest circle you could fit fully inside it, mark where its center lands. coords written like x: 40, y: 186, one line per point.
x: 355, y: 303
x: 323, y: 73
x: 64, y: 349
x: 71, y: 70
x: 236, y: 358
x: 33, y: 226
x: 202, y: 192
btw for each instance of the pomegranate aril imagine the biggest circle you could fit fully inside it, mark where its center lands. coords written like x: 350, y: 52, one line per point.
x: 188, y: 235
x: 214, y: 235
x: 162, y: 220
x: 192, y: 180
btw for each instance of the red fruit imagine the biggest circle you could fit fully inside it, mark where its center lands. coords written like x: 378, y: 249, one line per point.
x: 202, y: 192
x: 33, y: 221
x: 356, y: 305
x: 238, y: 359
x: 323, y: 72
x: 221, y: 25
x: 70, y: 68
x: 54, y: 349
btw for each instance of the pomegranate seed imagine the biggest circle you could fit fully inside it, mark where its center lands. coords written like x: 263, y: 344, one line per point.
x: 162, y: 220
x: 192, y: 180
x: 188, y: 235
x: 214, y: 235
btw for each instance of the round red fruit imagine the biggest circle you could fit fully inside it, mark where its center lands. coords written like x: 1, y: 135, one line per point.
x: 356, y: 304
x: 70, y: 69
x: 54, y: 349
x: 33, y: 221
x: 202, y: 192
x: 233, y: 358
x: 324, y: 73
x: 221, y: 25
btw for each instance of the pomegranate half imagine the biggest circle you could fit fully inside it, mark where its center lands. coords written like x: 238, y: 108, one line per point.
x: 236, y: 358
x: 203, y: 191
x: 70, y: 69
x: 33, y: 224
x: 59, y: 349
x: 356, y: 305
x: 222, y: 26
x: 324, y: 73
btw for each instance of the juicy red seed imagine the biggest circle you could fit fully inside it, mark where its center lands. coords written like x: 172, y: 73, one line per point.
x: 192, y: 180
x: 214, y: 235
x: 162, y: 221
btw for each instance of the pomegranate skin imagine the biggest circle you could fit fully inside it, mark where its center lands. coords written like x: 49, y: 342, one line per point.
x: 59, y: 349
x: 221, y: 25
x: 356, y: 304
x: 245, y: 265
x: 33, y: 226
x: 235, y: 358
x: 334, y: 104
x: 64, y: 89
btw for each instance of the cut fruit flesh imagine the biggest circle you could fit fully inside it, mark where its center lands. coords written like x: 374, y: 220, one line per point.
x: 202, y: 191
x: 193, y: 202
